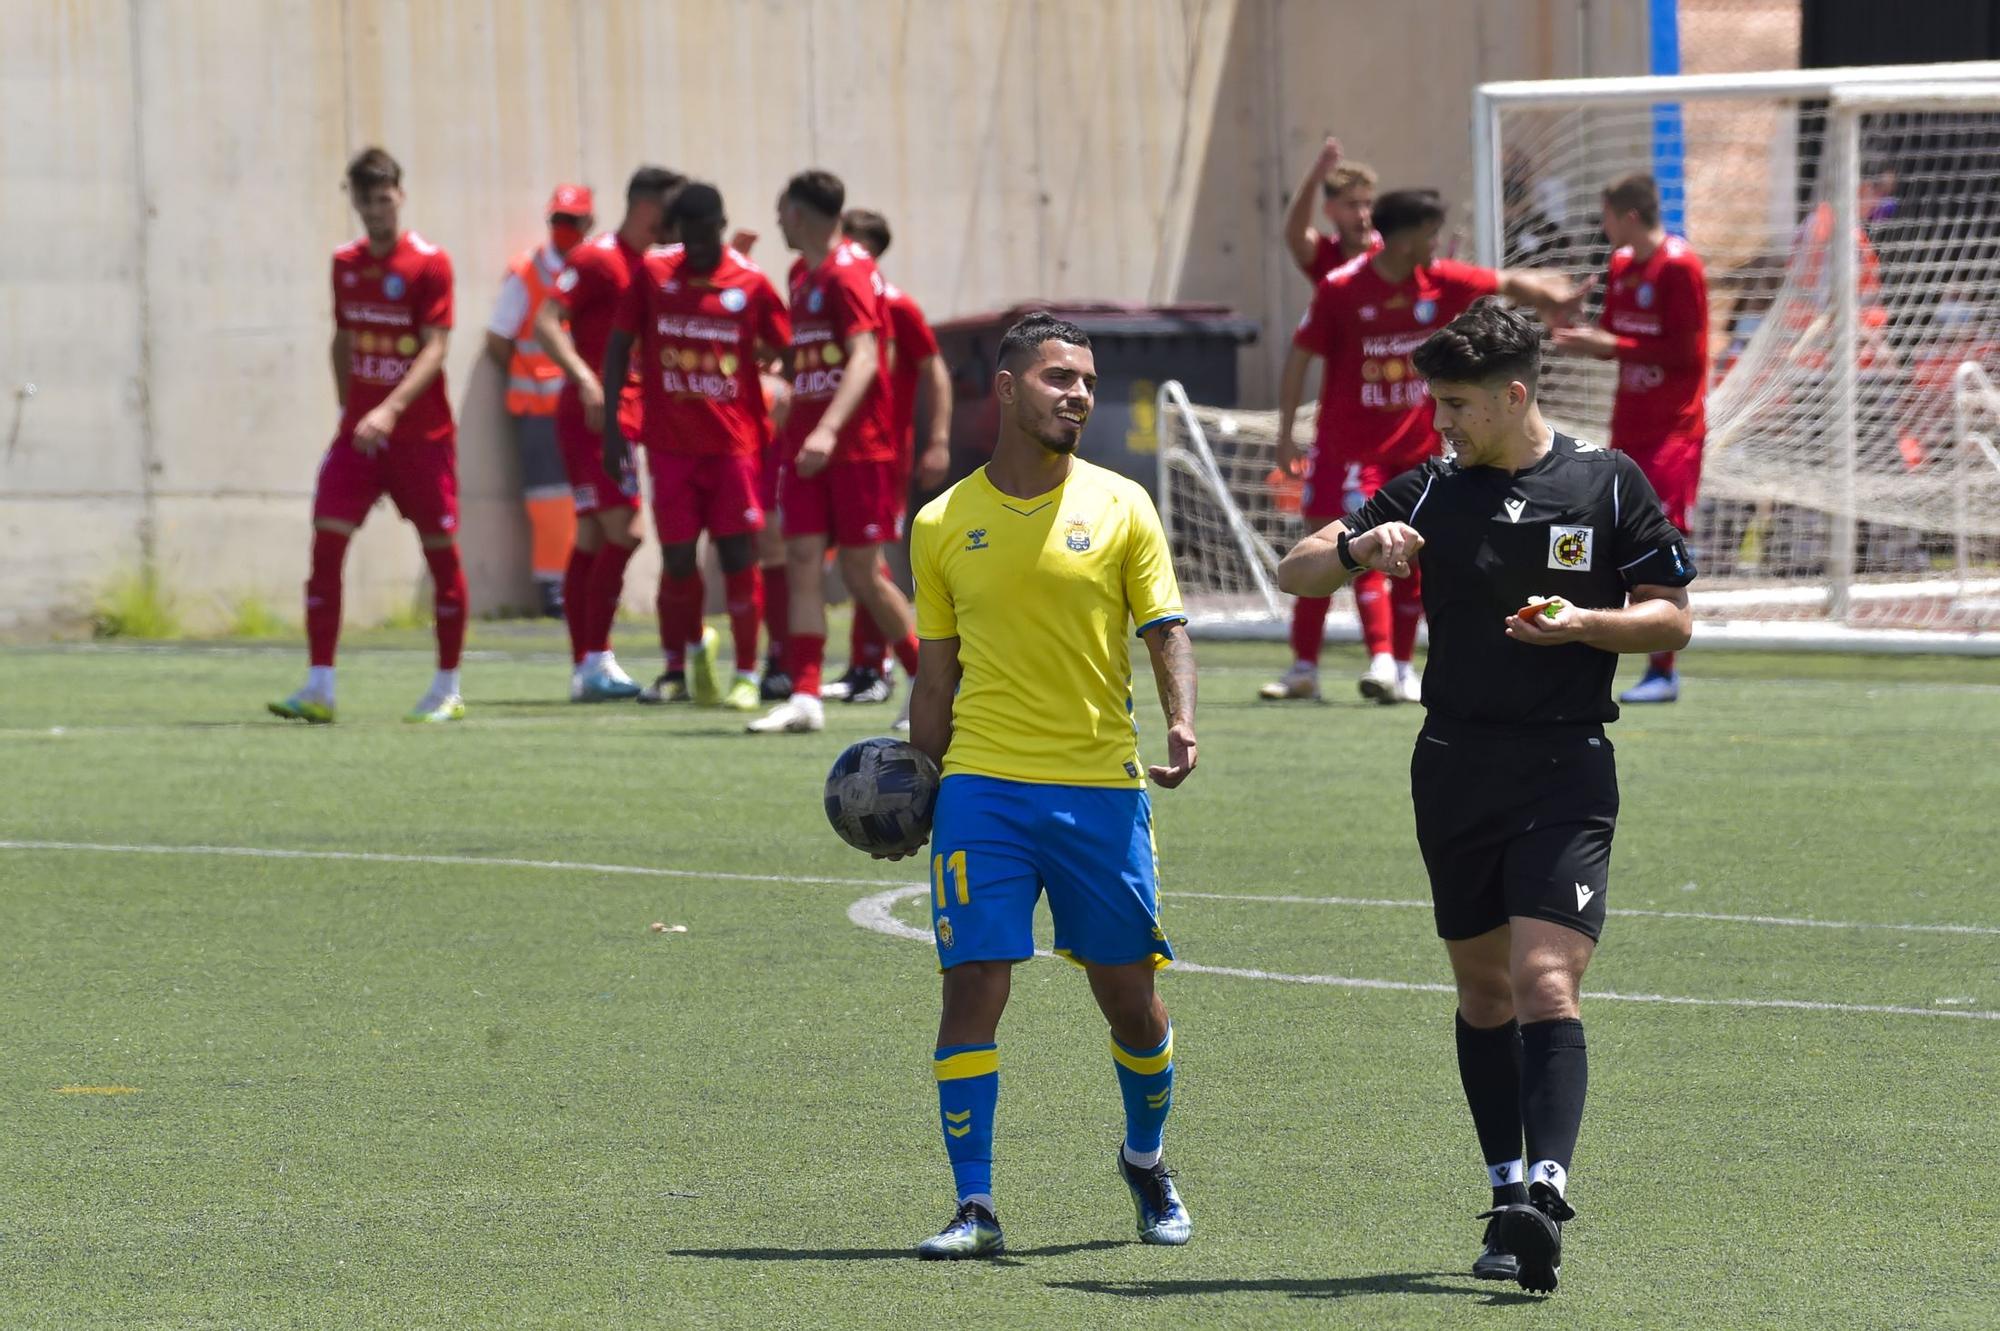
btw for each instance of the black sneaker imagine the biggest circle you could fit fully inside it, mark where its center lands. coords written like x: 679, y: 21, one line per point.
x: 868, y: 686
x: 669, y: 687
x: 973, y: 1232
x: 837, y: 690
x: 1532, y: 1231
x: 552, y: 599
x: 1494, y: 1262
x: 776, y: 685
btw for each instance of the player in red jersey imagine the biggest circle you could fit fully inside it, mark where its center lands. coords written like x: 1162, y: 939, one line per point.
x: 921, y: 397
x: 1655, y: 325
x: 703, y: 318
x: 574, y: 326
x: 838, y: 484
x: 1365, y: 319
x: 391, y: 318
x: 1347, y: 193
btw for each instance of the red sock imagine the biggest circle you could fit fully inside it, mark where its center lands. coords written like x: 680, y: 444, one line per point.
x: 744, y: 592
x: 1372, y: 601
x: 448, y: 602
x: 804, y: 653
x: 1406, y: 597
x: 1659, y: 663
x: 576, y: 600
x: 1309, y: 627
x: 777, y: 608
x: 683, y: 598
x: 867, y: 646
x: 906, y: 654
x: 329, y: 548
x: 607, y: 584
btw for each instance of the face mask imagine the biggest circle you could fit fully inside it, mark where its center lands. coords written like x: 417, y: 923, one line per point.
x: 565, y: 236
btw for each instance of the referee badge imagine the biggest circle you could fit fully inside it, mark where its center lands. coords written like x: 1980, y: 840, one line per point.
x: 1569, y: 548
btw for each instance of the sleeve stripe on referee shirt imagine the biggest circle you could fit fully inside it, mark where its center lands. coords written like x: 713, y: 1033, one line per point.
x: 1428, y: 482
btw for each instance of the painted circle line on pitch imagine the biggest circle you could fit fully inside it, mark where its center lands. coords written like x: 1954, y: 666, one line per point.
x: 652, y: 871
x: 877, y: 914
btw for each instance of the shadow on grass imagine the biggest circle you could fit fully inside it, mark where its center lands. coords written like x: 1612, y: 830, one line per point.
x: 908, y: 1254
x: 1303, y: 1287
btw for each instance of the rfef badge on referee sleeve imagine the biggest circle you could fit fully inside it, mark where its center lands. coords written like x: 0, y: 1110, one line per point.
x: 1570, y: 548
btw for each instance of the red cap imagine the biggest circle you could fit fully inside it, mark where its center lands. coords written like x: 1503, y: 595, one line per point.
x: 572, y: 201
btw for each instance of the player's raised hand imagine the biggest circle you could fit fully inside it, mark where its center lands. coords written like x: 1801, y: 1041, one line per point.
x: 371, y: 432
x: 1390, y: 548
x: 1583, y: 340
x: 1329, y: 155
x: 1566, y: 310
x: 815, y: 453
x: 1180, y: 758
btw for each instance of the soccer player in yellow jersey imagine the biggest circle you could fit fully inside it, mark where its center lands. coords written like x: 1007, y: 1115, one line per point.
x: 1028, y: 572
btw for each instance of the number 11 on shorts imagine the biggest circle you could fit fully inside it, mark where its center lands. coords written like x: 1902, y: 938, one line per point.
x: 955, y: 869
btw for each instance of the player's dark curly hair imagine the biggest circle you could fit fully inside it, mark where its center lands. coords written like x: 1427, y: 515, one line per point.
x: 1407, y: 209
x: 1020, y: 342
x: 373, y: 168
x: 1487, y: 342
x: 868, y: 227
x: 653, y: 183
x: 818, y: 190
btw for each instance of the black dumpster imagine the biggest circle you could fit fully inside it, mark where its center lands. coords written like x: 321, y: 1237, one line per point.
x: 1137, y: 348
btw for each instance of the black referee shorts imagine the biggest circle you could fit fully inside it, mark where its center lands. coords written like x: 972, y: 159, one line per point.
x: 1515, y: 822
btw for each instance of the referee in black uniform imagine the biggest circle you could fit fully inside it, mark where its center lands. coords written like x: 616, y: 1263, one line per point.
x: 1543, y: 558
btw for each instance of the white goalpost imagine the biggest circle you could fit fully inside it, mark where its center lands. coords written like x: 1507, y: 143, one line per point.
x: 1851, y: 484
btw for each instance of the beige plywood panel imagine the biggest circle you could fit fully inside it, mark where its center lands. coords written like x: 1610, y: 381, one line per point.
x: 70, y: 256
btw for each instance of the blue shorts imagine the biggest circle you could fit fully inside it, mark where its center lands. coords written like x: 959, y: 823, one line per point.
x: 997, y: 844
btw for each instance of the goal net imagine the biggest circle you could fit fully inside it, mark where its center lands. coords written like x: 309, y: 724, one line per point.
x: 1851, y: 483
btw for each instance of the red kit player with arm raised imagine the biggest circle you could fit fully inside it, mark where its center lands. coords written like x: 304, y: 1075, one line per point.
x: 702, y: 319
x: 1374, y: 410
x: 920, y: 395
x: 838, y: 485
x: 1655, y: 325
x: 574, y: 327
x: 392, y: 317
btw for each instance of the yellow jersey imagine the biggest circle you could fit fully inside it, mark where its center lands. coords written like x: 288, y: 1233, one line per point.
x: 1038, y: 593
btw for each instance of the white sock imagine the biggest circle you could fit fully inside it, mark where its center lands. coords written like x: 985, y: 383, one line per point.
x: 1405, y: 669
x: 319, y: 681
x: 1499, y: 1176
x: 1551, y: 1173
x: 984, y: 1199
x: 592, y: 661
x: 1141, y: 1159
x: 1303, y: 667
x: 750, y: 675
x: 1381, y: 663
x: 445, y: 682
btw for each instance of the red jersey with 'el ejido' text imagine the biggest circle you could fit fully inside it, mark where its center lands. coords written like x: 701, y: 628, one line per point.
x: 1373, y: 405
x: 837, y: 300
x: 695, y: 337
x: 1658, y: 311
x: 591, y: 288
x: 384, y: 303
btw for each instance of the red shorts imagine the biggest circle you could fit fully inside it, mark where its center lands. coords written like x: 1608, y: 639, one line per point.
x: 693, y: 492
x: 1673, y: 466
x: 583, y: 462
x: 1346, y: 487
x: 420, y: 478
x: 850, y: 503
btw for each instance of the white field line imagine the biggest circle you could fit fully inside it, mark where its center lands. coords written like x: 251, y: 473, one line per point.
x: 875, y: 913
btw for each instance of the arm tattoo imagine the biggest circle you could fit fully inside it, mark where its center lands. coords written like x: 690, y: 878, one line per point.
x: 1174, y: 673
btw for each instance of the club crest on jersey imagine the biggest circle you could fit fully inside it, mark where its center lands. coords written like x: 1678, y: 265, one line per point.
x: 1076, y: 535
x: 1569, y: 548
x: 393, y: 286
x: 816, y: 300
x: 976, y: 539
x: 1645, y: 296
x: 945, y: 939
x: 1425, y: 310
x: 734, y: 300
x: 348, y: 279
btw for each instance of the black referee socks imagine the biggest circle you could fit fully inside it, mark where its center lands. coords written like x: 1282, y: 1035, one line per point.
x: 1489, y: 1067
x: 1554, y: 1076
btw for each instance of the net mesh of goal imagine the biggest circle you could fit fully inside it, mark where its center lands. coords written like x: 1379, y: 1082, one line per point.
x: 1850, y: 475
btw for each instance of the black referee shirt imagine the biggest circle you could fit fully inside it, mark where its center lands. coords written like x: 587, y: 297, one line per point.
x: 1582, y: 523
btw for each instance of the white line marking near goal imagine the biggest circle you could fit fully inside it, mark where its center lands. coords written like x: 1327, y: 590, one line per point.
x: 651, y: 871
x: 877, y: 914
x: 1786, y: 921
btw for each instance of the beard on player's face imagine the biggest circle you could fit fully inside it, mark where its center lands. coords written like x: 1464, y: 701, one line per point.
x: 1053, y: 415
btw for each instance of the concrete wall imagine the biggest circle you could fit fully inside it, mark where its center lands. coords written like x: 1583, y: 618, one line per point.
x: 170, y: 191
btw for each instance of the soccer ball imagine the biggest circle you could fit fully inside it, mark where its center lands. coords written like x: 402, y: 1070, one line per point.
x: 880, y: 794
